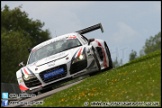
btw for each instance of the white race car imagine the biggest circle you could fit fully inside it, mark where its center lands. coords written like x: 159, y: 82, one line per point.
x: 62, y: 58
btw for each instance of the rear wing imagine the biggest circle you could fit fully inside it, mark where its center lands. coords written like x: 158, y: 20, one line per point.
x: 91, y: 28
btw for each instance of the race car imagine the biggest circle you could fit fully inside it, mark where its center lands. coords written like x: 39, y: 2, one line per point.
x: 63, y: 58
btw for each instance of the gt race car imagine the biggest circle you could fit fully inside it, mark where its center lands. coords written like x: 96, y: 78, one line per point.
x: 63, y: 58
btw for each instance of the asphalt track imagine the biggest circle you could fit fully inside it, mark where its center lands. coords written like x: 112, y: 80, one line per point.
x: 40, y: 97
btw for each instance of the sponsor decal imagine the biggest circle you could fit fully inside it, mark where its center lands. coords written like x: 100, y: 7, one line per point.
x: 53, y: 73
x: 56, y: 56
x: 51, y: 63
x: 71, y: 37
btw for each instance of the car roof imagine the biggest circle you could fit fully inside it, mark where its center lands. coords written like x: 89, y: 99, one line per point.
x: 54, y: 39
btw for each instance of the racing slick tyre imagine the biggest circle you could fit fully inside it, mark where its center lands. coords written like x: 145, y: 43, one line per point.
x: 46, y: 90
x: 36, y: 93
x: 109, y: 57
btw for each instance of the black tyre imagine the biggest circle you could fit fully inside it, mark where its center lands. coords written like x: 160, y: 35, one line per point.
x: 36, y: 93
x: 46, y: 90
x: 109, y: 57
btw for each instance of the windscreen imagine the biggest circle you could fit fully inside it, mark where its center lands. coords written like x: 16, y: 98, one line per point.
x: 53, y: 48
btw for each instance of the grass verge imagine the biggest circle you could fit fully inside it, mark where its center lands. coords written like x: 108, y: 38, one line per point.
x: 137, y: 81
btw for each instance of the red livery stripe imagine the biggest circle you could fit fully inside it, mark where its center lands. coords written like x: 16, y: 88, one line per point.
x: 25, y: 71
x: 23, y: 88
x: 72, y: 37
x: 79, y: 52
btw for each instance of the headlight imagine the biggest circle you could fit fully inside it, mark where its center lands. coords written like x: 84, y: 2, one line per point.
x: 28, y: 77
x: 79, y: 58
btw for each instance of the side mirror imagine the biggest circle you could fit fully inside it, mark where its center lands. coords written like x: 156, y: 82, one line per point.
x: 29, y: 50
x: 21, y: 64
x: 90, y: 40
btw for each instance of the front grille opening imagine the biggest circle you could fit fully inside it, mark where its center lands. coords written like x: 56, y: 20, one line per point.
x: 32, y: 82
x: 78, y: 66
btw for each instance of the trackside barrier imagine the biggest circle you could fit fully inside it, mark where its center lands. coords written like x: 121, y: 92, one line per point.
x: 10, y: 88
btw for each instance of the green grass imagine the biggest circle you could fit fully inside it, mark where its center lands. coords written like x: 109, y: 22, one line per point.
x: 137, y: 81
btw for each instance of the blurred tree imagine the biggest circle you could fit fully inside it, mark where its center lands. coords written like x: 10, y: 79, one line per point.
x: 116, y: 63
x: 17, y: 20
x: 152, y: 44
x: 13, y: 51
x: 132, y: 55
x: 18, y: 33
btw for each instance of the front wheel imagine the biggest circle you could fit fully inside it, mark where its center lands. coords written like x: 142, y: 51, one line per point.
x: 36, y: 93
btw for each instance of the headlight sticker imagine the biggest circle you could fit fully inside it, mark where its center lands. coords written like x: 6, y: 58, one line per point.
x: 79, y: 55
x: 20, y: 80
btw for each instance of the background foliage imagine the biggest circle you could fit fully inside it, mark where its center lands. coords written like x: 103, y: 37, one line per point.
x: 18, y: 33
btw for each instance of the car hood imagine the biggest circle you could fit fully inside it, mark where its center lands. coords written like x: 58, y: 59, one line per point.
x: 68, y: 53
x: 52, y: 58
